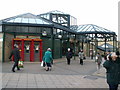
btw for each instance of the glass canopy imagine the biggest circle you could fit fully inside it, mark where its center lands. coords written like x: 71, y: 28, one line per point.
x: 90, y: 29
x: 26, y: 18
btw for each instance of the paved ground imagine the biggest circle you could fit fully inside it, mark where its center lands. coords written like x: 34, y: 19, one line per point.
x: 61, y: 76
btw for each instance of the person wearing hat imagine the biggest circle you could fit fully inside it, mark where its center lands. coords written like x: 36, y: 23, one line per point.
x: 47, y: 58
x: 113, y: 71
x: 68, y: 56
x: 16, y: 53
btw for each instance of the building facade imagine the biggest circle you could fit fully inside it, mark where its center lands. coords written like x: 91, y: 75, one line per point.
x: 35, y: 33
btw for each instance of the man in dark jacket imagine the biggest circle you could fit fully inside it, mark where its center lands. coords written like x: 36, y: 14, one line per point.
x: 113, y: 71
x: 68, y: 56
x: 16, y: 53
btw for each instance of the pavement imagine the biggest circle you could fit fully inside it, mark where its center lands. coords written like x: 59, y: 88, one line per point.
x: 61, y: 75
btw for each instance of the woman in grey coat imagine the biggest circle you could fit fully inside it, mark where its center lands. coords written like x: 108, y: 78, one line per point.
x: 98, y: 60
x: 81, y: 56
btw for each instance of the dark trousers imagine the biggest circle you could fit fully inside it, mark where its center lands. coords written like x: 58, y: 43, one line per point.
x: 68, y: 61
x: 113, y: 87
x: 48, y: 66
x: 81, y: 61
x: 15, y: 65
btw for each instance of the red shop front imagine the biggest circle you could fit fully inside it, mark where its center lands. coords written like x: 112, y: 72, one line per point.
x: 30, y: 49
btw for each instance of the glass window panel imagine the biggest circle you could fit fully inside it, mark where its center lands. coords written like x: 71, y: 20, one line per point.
x: 25, y: 20
x: 32, y: 29
x: 45, y: 22
x: 0, y: 28
x: 9, y: 28
x: 18, y: 29
x: 18, y: 20
x: 24, y: 29
x: 73, y: 20
x: 38, y: 30
x: 48, y: 30
x: 48, y: 16
x: 32, y: 21
x: 54, y: 31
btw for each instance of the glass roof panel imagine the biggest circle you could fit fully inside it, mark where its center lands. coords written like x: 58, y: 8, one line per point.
x: 46, y: 22
x: 32, y: 20
x: 90, y: 28
x: 18, y: 20
x: 25, y: 20
x: 38, y: 21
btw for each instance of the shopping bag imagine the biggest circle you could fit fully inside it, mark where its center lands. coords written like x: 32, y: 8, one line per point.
x: 42, y: 64
x: 84, y: 57
x: 20, y: 64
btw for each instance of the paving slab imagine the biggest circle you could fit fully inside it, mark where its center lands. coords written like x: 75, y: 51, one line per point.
x: 61, y: 75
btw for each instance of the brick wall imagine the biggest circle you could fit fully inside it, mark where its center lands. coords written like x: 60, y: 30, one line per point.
x: 8, y: 45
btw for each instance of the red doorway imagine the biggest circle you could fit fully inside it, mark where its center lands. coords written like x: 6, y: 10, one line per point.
x: 29, y: 48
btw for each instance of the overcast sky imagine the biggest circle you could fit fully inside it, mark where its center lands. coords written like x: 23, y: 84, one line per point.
x: 103, y: 13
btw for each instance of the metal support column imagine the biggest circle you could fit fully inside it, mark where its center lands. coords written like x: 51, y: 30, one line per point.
x: 74, y: 47
x: 105, y: 45
x: 96, y: 44
x: 113, y: 43
x: 52, y: 40
x: 40, y: 47
x: 92, y: 47
x: 60, y: 48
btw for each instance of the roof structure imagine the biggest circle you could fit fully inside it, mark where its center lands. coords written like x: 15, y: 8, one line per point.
x: 31, y: 19
x: 91, y: 29
x: 26, y: 18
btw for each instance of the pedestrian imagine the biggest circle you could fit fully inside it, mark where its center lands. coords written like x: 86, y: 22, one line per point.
x: 47, y: 58
x: 99, y: 61
x: 113, y: 71
x: 16, y: 53
x: 81, y: 56
x: 105, y: 56
x: 68, y: 56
